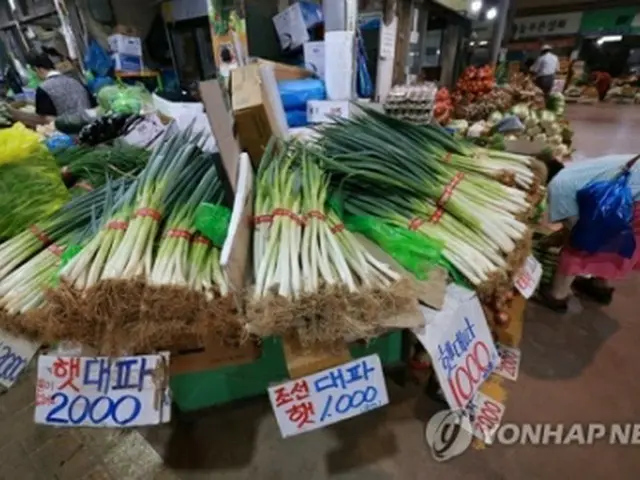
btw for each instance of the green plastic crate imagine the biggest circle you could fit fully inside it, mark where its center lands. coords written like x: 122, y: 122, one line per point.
x: 193, y: 391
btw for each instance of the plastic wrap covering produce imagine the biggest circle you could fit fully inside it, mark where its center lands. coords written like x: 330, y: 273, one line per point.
x: 606, y: 216
x: 31, y: 189
x: 296, y: 93
x: 416, y: 253
x: 17, y: 143
x: 124, y: 98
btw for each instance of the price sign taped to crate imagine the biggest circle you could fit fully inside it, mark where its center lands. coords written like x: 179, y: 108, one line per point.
x: 330, y: 396
x: 460, y: 345
x: 509, y: 366
x: 528, y: 278
x: 15, y: 355
x: 485, y: 416
x: 102, y: 391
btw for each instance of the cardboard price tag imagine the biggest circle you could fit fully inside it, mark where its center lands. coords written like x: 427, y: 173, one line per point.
x: 460, y: 344
x: 330, y: 396
x: 509, y: 366
x: 529, y: 277
x: 485, y: 415
x: 102, y: 391
x: 15, y: 355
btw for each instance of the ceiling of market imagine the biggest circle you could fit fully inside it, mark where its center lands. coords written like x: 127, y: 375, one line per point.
x: 550, y: 6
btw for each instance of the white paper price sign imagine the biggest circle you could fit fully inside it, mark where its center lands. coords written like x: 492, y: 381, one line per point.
x: 528, y: 278
x: 102, y: 391
x: 509, y: 367
x: 15, y: 355
x: 485, y: 415
x: 330, y: 396
x: 460, y: 345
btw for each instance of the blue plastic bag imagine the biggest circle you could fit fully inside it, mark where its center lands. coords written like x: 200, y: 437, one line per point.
x: 97, y: 60
x: 296, y: 93
x: 605, y: 223
x: 58, y: 142
x: 296, y: 118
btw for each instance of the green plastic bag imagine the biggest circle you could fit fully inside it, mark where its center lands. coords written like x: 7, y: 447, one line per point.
x: 212, y: 221
x: 414, y: 251
x: 67, y: 255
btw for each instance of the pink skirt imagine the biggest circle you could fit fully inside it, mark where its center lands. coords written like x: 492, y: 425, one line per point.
x: 604, y: 265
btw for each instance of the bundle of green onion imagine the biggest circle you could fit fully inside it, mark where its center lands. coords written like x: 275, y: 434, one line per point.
x: 148, y: 277
x: 474, y: 200
x: 312, y: 276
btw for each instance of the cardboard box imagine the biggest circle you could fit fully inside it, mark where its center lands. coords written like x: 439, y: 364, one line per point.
x: 282, y: 71
x: 125, y: 45
x: 321, y: 111
x: 293, y: 24
x: 340, y: 65
x: 257, y: 108
x: 127, y: 63
x: 314, y: 58
x: 525, y: 146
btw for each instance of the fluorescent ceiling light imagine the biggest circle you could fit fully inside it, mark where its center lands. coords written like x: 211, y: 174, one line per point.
x: 483, y: 43
x: 492, y: 13
x: 476, y: 6
x: 609, y: 38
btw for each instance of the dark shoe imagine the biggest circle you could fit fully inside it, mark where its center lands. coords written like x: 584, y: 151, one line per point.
x: 544, y: 298
x: 590, y: 288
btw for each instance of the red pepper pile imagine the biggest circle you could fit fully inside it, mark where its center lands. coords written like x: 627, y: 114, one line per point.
x: 476, y: 82
x: 443, y: 107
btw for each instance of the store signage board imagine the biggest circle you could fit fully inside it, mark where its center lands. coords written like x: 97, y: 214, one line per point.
x: 103, y: 391
x: 528, y: 279
x: 330, y: 396
x: 15, y: 355
x: 611, y: 21
x: 459, y: 341
x: 485, y: 415
x: 547, y: 25
x: 455, y: 5
x: 509, y: 366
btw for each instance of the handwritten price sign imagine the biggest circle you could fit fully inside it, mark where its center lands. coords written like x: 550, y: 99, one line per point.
x: 529, y: 277
x: 15, y: 355
x: 459, y: 341
x: 102, y: 391
x: 509, y: 367
x: 330, y: 396
x: 485, y: 415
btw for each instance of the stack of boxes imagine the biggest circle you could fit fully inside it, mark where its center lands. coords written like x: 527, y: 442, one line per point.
x: 126, y: 52
x: 332, y: 59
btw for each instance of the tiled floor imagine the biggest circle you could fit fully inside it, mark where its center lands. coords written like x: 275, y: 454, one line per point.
x: 576, y: 368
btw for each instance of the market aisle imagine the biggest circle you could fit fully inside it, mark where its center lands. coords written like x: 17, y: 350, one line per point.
x: 576, y: 368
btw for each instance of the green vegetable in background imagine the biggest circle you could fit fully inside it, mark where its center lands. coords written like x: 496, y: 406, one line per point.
x: 30, y: 191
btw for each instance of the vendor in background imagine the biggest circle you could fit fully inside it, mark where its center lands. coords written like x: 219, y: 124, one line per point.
x: 602, y: 81
x: 58, y: 94
x: 586, y: 274
x: 545, y: 68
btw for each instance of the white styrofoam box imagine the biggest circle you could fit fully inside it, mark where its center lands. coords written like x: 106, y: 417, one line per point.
x: 293, y: 24
x: 174, y: 109
x: 314, y: 57
x: 321, y: 111
x: 340, y: 15
x: 127, y: 63
x: 339, y: 65
x: 125, y: 45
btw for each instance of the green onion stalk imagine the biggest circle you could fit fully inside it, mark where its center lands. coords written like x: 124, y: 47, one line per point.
x: 307, y: 265
x: 134, y: 255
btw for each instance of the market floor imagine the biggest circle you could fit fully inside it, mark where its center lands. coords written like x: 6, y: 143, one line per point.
x: 577, y: 368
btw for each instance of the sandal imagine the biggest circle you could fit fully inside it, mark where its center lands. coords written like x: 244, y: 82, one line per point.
x: 592, y: 289
x: 544, y: 298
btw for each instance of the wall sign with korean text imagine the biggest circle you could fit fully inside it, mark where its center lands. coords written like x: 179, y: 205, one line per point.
x: 460, y: 345
x: 15, y: 355
x: 547, y: 25
x: 330, y: 396
x: 103, y: 392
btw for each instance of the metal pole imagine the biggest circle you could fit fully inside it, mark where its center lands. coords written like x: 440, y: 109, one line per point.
x: 498, y: 31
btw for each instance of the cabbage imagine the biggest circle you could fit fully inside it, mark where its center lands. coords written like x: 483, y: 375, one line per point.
x: 555, y: 140
x: 541, y: 137
x: 521, y: 111
x: 553, y: 129
x: 531, y: 121
x: 477, y: 129
x: 495, y: 117
x: 547, y: 117
x: 459, y: 125
x: 534, y: 130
